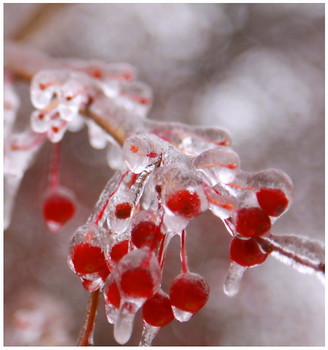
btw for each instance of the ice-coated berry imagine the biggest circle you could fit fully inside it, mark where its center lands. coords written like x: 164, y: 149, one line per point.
x: 184, y: 203
x: 157, y: 310
x: 252, y: 222
x: 272, y: 201
x: 88, y: 259
x: 123, y: 210
x: 146, y: 233
x: 189, y: 292
x: 246, y: 252
x: 119, y: 250
x: 138, y: 283
x: 57, y: 210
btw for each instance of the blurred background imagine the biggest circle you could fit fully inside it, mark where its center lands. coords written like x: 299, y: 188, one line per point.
x: 255, y: 69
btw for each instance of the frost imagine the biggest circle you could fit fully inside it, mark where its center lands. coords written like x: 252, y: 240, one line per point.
x: 148, y: 334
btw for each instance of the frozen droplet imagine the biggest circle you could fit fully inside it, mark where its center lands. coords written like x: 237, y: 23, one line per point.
x: 124, y: 322
x: 219, y: 164
x: 76, y: 124
x: 233, y: 278
x: 97, y: 136
x: 148, y: 334
x: 180, y: 315
x: 44, y: 85
x: 111, y: 313
x: 135, y: 96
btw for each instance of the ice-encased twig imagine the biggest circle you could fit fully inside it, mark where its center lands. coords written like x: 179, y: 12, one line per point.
x: 302, y: 253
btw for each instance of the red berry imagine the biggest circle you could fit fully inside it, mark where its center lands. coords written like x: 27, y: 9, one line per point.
x: 189, y: 292
x: 123, y: 210
x: 57, y: 210
x: 146, y: 233
x: 272, y: 201
x: 119, y: 250
x: 252, y: 222
x: 112, y: 295
x: 157, y: 310
x: 184, y: 203
x: 137, y: 283
x: 88, y: 259
x: 246, y: 252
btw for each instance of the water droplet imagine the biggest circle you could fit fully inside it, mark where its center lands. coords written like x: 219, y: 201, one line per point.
x: 233, y: 279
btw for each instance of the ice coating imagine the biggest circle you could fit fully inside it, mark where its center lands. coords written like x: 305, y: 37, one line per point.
x: 148, y: 334
x: 87, y: 254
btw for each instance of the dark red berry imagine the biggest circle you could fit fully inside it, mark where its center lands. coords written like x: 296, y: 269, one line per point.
x: 189, y: 292
x: 252, y: 222
x: 146, y: 233
x: 157, y: 310
x: 123, y: 210
x: 246, y: 252
x: 184, y: 203
x: 137, y: 283
x: 88, y: 259
x: 272, y: 201
x: 119, y: 250
x: 112, y: 295
x: 57, y: 210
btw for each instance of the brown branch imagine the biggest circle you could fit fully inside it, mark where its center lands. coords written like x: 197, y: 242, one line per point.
x: 86, y: 337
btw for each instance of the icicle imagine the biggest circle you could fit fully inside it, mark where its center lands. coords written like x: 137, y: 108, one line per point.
x: 148, y: 334
x: 123, y: 326
x: 233, y: 278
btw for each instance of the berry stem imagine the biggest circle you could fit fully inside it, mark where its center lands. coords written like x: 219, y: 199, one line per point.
x: 54, y: 166
x: 86, y: 337
x: 183, y: 253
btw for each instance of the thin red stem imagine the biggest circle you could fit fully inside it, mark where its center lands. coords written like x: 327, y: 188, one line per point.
x: 183, y: 253
x: 54, y: 166
x: 86, y: 337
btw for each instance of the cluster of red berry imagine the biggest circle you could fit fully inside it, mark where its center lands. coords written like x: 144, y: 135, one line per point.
x: 122, y: 248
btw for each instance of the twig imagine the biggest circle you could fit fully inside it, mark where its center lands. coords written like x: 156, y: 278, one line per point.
x: 86, y: 337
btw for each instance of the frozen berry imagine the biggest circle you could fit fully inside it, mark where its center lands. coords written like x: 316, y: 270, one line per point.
x: 189, y: 292
x: 157, y: 310
x: 246, y: 252
x: 57, y: 210
x: 137, y: 283
x: 272, y: 201
x: 119, y: 250
x: 252, y: 222
x: 123, y: 210
x: 146, y: 233
x: 88, y: 259
x: 184, y: 203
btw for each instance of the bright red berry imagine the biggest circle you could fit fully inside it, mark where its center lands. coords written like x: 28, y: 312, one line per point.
x: 137, y: 283
x: 272, y: 201
x: 88, y: 259
x: 112, y: 295
x: 189, y: 292
x: 57, y: 210
x: 119, y: 250
x: 123, y: 210
x: 246, y: 252
x: 184, y: 203
x: 252, y: 222
x: 146, y: 233
x: 157, y: 310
